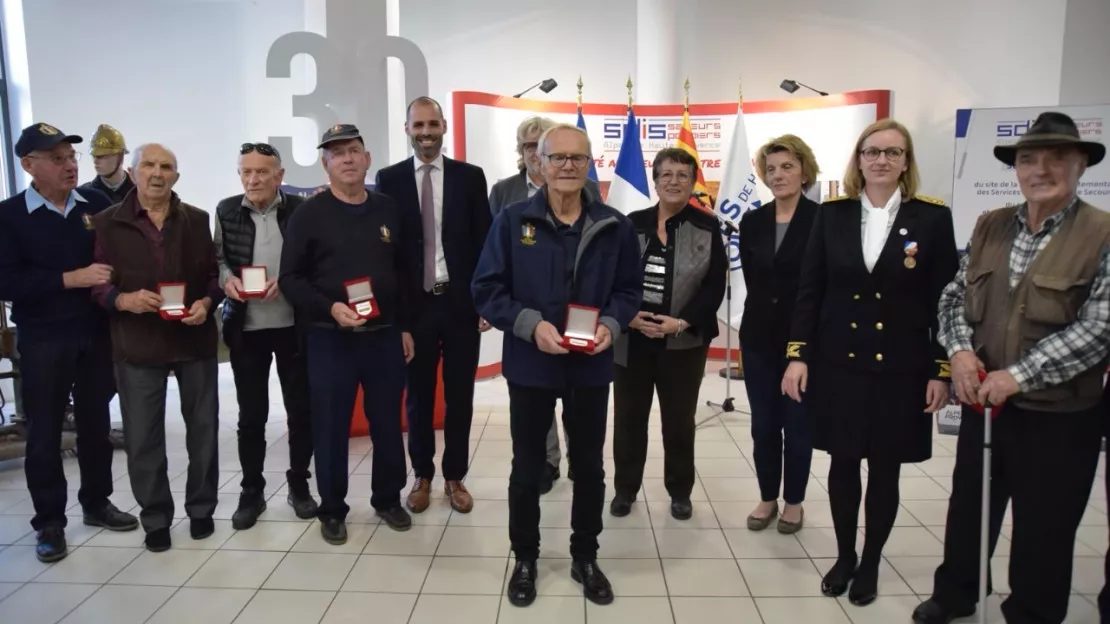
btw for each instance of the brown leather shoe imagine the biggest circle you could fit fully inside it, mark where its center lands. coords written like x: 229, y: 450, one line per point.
x: 461, y: 500
x: 418, y: 498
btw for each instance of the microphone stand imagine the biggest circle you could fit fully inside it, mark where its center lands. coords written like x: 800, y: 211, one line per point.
x: 727, y: 404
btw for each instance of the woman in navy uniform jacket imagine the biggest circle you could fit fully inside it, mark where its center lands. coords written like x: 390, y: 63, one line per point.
x: 866, y: 320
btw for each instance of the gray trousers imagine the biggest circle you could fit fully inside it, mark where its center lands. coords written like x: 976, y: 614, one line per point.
x: 553, y: 454
x: 142, y: 398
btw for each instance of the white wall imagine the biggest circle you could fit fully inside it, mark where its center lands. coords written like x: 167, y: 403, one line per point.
x: 187, y: 73
x: 1086, y: 53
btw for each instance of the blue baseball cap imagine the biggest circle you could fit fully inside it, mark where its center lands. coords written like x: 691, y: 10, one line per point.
x: 42, y: 136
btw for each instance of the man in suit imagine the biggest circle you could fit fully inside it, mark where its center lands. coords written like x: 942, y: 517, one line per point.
x: 260, y: 326
x: 450, y: 197
x: 517, y: 188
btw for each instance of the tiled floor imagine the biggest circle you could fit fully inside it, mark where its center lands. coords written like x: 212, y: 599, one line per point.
x: 452, y: 568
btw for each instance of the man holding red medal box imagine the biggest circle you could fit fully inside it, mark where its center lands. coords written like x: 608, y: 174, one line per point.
x: 165, y: 284
x: 349, y: 267
x: 561, y: 276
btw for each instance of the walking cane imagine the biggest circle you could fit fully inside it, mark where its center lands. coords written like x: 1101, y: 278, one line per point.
x: 984, y: 522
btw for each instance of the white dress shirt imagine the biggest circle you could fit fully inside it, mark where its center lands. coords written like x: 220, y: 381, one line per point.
x: 876, y: 225
x: 437, y: 201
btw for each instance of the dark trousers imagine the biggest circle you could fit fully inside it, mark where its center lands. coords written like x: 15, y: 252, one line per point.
x: 142, y: 400
x: 50, y: 370
x: 338, y: 363
x: 251, y: 354
x: 880, y: 508
x: 441, y: 330
x: 782, y: 442
x: 677, y: 376
x: 530, y: 417
x: 1044, y: 462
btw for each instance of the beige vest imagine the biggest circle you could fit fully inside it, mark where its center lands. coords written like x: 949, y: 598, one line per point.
x: 1008, y: 323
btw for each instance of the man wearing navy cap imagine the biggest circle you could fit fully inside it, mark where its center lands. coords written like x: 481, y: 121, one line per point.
x: 46, y: 271
x: 349, y: 267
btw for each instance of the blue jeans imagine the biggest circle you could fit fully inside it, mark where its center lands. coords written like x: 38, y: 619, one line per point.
x: 781, y: 435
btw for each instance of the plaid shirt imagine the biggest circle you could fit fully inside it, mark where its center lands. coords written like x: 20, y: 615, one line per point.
x: 1058, y: 357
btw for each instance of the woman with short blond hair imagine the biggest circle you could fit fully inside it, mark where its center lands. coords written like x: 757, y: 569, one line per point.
x: 865, y: 326
x: 772, y: 242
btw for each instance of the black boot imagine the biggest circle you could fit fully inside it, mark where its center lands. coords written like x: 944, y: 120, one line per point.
x: 251, y: 505
x: 300, y: 498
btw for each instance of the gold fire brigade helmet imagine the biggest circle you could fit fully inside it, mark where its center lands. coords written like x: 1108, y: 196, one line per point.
x: 107, y: 140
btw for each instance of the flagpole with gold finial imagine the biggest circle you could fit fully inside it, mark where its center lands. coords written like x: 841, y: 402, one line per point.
x: 579, y: 85
x: 629, y: 86
x: 686, y: 99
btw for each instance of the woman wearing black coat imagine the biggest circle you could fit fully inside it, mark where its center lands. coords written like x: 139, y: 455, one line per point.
x: 863, y: 346
x: 772, y: 242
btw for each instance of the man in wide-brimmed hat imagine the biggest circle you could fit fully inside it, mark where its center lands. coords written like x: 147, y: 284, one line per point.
x: 1029, y: 307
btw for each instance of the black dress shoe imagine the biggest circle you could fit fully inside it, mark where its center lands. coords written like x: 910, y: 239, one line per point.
x: 522, y: 584
x: 865, y: 586
x: 201, y: 528
x: 682, y: 508
x: 251, y: 506
x: 622, y: 504
x: 300, y: 499
x: 837, y: 579
x: 932, y: 612
x: 594, y: 584
x: 334, y: 531
x: 157, y: 540
x: 550, y: 475
x: 51, y: 544
x: 111, y: 518
x: 396, y: 517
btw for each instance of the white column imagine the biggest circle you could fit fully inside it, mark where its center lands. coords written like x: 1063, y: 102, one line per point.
x: 656, y: 80
x: 398, y: 141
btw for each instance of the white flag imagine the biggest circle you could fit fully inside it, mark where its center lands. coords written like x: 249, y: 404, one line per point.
x: 737, y: 195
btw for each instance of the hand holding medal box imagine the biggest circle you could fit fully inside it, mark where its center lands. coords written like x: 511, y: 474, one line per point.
x: 360, y: 297
x: 254, y: 282
x: 173, y: 301
x: 581, y: 331
x: 911, y: 251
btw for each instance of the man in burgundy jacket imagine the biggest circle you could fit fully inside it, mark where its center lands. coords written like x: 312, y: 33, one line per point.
x: 153, y: 239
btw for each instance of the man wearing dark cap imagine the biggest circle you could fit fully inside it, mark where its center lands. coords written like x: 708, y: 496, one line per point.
x: 1030, y: 308
x: 348, y: 266
x: 46, y: 271
x: 108, y: 150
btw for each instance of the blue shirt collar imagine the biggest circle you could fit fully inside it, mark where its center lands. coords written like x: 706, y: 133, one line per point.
x: 35, y: 200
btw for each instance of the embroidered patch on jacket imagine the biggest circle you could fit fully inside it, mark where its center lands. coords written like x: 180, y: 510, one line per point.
x: 794, y: 349
x: 527, y: 234
x: 87, y: 220
x: 385, y: 234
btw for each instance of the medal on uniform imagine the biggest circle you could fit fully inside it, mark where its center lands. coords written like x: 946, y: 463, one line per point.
x: 581, y: 328
x: 911, y: 250
x: 360, y: 298
x: 173, y: 301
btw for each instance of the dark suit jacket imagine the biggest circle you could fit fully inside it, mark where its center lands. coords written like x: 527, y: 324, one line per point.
x: 466, y: 220
x: 514, y: 188
x: 885, y: 320
x: 770, y: 276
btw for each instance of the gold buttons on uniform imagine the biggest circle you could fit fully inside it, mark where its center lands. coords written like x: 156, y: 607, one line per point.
x: 856, y: 297
x: 878, y: 295
x: 851, y: 355
x: 879, y: 357
x: 879, y: 326
x: 854, y: 326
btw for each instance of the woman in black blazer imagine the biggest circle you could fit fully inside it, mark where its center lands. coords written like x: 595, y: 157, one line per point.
x: 772, y: 241
x: 863, y: 346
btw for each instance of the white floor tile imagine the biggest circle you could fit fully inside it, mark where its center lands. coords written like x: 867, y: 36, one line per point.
x: 704, y: 578
x: 794, y: 610
x: 693, y: 544
x: 640, y: 610
x: 417, y: 541
x: 90, y: 565
x: 276, y: 536
x: 285, y: 607
x: 714, y: 610
x: 467, y: 609
x: 44, y: 603
x: 466, y: 576
x: 628, y: 544
x: 19, y: 565
x: 635, y: 577
x: 358, y: 535
x: 781, y: 577
x: 120, y: 604
x: 211, y: 606
x: 768, y: 544
x: 311, y: 572
x: 358, y: 608
x: 238, y: 569
x: 474, y: 542
x: 388, y: 574
x: 545, y: 610
x: 171, y: 568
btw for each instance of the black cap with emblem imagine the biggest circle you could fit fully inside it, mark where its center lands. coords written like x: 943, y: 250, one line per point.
x: 42, y: 136
x: 340, y: 132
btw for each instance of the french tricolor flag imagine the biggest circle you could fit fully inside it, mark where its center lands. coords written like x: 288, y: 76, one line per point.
x: 629, y: 189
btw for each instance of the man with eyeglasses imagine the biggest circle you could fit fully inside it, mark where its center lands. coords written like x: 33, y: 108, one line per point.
x: 449, y: 197
x: 520, y: 187
x: 46, y: 271
x: 559, y: 256
x: 260, y: 325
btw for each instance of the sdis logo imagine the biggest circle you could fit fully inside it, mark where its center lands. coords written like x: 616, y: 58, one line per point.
x: 649, y: 131
x: 1011, y: 129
